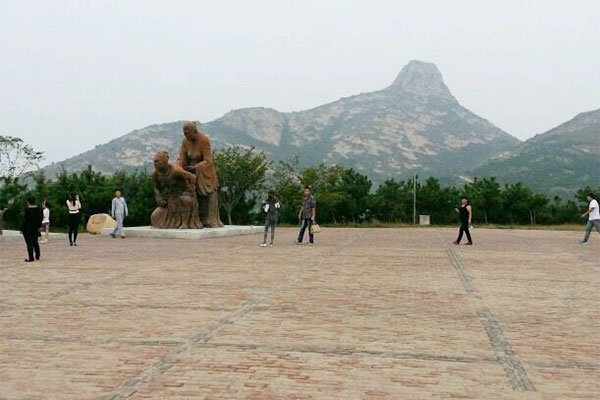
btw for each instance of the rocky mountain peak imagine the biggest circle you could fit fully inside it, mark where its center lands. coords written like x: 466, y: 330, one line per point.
x: 423, y: 79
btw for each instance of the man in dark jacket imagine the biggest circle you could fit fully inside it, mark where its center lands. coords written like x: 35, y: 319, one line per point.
x: 30, y: 228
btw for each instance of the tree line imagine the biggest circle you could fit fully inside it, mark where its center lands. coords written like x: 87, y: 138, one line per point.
x: 343, y: 195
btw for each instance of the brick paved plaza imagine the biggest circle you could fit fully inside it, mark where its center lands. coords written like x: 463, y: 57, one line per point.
x: 365, y: 314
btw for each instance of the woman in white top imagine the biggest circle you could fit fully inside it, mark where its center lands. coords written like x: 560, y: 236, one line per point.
x: 74, y: 206
x: 45, y: 221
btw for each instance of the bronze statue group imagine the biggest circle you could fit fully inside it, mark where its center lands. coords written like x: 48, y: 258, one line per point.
x: 187, y: 198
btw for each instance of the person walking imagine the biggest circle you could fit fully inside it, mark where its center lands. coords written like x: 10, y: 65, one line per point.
x: 466, y: 216
x: 307, y: 216
x: 119, y: 212
x: 593, y: 214
x: 45, y: 222
x: 271, y: 209
x: 30, y: 228
x: 74, y: 206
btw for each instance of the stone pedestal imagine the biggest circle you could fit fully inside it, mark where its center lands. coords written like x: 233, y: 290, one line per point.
x: 192, y: 234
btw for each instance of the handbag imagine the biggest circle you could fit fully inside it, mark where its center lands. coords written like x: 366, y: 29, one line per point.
x: 315, y: 228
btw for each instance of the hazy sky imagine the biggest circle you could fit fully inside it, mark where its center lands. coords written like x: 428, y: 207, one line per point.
x: 74, y: 74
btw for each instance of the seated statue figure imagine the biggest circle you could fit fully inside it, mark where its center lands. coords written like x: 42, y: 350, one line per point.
x: 175, y: 191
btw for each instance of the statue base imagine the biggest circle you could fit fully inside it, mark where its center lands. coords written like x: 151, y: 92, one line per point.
x: 190, y: 234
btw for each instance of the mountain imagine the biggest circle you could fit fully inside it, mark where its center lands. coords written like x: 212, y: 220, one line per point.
x: 415, y: 124
x: 557, y: 162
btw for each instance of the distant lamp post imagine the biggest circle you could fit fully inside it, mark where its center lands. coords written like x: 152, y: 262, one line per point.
x: 415, y: 199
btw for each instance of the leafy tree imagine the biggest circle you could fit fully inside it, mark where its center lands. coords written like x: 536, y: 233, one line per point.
x: 436, y: 201
x: 242, y: 172
x: 392, y: 201
x: 16, y: 157
x: 287, y: 187
x: 485, y: 194
x: 537, y: 203
x: 343, y: 195
x: 354, y: 191
x: 12, y: 197
x: 516, y: 201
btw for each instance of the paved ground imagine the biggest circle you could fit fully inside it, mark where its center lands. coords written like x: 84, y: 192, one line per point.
x: 366, y: 314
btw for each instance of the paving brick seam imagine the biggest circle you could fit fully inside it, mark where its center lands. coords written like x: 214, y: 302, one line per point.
x: 515, y: 372
x: 84, y: 286
x: 349, y: 351
x: 36, y: 306
x: 81, y: 340
x: 340, y: 350
x: 131, y: 386
x: 512, y: 366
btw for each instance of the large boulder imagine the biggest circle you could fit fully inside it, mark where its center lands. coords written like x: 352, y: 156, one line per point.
x: 97, y: 222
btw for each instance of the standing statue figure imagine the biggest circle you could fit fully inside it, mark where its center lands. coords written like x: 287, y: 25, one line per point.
x: 175, y: 191
x: 196, y: 157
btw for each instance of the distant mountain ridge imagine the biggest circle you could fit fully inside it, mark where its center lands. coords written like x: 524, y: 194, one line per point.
x: 558, y: 161
x: 415, y: 124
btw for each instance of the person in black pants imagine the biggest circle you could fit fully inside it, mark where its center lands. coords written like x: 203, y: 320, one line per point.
x: 30, y: 228
x: 271, y: 209
x: 466, y: 216
x: 74, y: 206
x: 307, y: 216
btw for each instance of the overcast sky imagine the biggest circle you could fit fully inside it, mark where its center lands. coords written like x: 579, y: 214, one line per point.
x: 74, y: 74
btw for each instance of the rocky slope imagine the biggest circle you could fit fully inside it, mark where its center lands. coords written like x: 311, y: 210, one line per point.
x: 557, y: 162
x: 415, y: 124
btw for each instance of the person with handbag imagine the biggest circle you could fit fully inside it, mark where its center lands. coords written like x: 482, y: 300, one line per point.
x: 307, y: 216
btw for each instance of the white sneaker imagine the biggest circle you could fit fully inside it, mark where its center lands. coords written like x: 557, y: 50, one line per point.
x: 271, y: 245
x: 263, y: 245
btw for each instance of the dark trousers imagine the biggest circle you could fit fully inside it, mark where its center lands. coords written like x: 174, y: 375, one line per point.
x: 33, y: 247
x: 306, y: 223
x: 269, y: 224
x: 73, y: 227
x: 464, y: 227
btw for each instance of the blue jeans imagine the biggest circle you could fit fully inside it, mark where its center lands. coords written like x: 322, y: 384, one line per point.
x: 588, y: 228
x: 306, y: 223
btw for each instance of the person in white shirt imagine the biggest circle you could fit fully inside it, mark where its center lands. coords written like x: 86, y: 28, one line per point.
x: 74, y: 205
x: 45, y: 222
x: 593, y: 214
x: 119, y: 211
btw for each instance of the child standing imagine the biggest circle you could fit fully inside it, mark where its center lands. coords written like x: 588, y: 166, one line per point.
x: 45, y: 222
x: 271, y: 209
